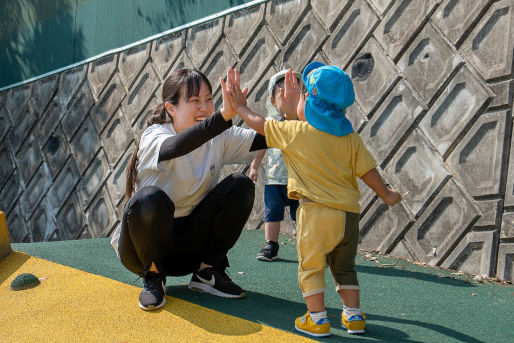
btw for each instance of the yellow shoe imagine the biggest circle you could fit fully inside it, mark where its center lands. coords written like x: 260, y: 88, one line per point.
x: 354, y: 324
x: 306, y: 325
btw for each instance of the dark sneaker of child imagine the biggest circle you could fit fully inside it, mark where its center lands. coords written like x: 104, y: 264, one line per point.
x: 269, y: 252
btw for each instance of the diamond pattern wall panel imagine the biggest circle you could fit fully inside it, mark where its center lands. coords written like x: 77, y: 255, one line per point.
x: 433, y: 82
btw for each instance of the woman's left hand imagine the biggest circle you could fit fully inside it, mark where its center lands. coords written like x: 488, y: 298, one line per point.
x: 230, y: 103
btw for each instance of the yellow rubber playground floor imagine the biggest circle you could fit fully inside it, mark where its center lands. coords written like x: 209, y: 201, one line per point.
x: 85, y: 295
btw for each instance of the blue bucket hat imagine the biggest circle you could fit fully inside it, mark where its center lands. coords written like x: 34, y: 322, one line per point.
x: 330, y: 93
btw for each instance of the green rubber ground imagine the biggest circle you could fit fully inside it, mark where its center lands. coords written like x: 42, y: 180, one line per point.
x: 404, y: 302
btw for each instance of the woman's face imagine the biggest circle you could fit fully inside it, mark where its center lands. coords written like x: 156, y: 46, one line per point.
x: 193, y: 110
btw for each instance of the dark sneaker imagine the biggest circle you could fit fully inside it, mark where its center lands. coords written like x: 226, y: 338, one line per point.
x: 152, y: 296
x: 269, y: 252
x: 216, y: 282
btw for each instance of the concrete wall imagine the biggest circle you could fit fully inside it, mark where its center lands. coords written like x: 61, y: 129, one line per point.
x: 434, y: 86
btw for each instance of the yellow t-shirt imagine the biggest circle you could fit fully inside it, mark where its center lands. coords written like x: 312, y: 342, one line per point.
x: 321, y: 166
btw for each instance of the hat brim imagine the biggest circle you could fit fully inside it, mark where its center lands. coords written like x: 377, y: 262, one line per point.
x: 326, y: 119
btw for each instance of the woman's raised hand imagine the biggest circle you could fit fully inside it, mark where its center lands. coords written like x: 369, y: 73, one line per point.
x: 232, y: 95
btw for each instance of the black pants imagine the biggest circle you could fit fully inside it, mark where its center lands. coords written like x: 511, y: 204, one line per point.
x: 177, y: 246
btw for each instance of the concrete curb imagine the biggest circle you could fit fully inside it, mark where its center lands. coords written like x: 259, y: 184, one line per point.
x: 5, y: 243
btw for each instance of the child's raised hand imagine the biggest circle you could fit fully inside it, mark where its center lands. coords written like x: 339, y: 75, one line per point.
x: 290, y: 95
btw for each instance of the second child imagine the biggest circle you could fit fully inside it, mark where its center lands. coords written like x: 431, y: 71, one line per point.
x: 275, y: 180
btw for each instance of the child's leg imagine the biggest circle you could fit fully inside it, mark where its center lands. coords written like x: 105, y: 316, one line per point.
x: 315, y: 302
x: 342, y: 265
x: 350, y: 297
x: 271, y: 231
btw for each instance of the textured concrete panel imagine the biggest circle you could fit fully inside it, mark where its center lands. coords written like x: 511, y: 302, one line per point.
x: 351, y: 32
x: 165, y: 51
x: 42, y: 91
x: 503, y: 91
x: 482, y: 48
x: 242, y: 24
x: 401, y: 22
x: 7, y: 165
x: 42, y: 224
x: 131, y: 62
x: 401, y: 250
x: 35, y: 191
x: 28, y: 159
x: 101, y: 216
x: 140, y: 123
x: 491, y: 213
x: 22, y: 126
x: 381, y: 78
x: 10, y: 192
x: 64, y: 184
x: 100, y: 71
x: 445, y: 220
x: 16, y: 100
x: 474, y: 254
x: 201, y: 39
x: 259, y: 97
x: 330, y: 10
x: 93, y: 179
x: 257, y: 58
x: 282, y: 16
x: 108, y: 102
x: 507, y: 228
x: 85, y: 145
x: 382, y: 226
x: 381, y: 5
x: 217, y: 64
x: 116, y: 137
x: 56, y: 151
x: 454, y: 17
x: 505, y: 269
x: 478, y: 158
x: 69, y: 82
x: 416, y: 169
x: 6, y: 122
x: 78, y: 111
x: 302, y: 46
x: 70, y: 219
x: 144, y: 87
x: 356, y: 116
x: 391, y: 121
x: 117, y: 180
x: 48, y: 121
x: 509, y: 188
x: 428, y: 62
x: 18, y: 232
x: 462, y: 99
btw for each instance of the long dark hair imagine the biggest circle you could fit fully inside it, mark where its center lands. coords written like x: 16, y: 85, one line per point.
x: 171, y: 92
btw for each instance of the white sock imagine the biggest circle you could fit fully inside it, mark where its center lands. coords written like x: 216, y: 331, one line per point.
x: 317, y: 316
x: 351, y: 311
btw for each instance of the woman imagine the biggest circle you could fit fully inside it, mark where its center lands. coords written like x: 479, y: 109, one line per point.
x: 178, y: 218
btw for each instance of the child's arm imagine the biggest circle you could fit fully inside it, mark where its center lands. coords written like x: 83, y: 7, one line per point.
x: 254, y: 167
x: 373, y: 179
x: 290, y: 95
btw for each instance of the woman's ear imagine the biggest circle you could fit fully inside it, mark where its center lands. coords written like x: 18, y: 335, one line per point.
x: 170, y: 108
